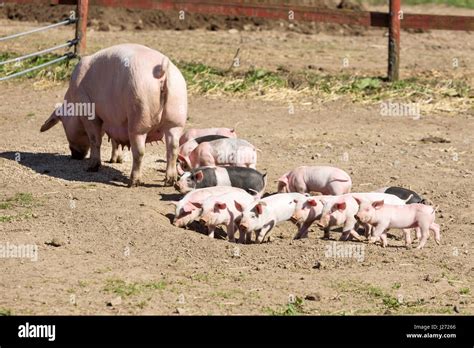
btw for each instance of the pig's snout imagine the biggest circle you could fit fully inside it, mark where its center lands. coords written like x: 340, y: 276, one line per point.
x: 204, y: 219
x: 177, y: 186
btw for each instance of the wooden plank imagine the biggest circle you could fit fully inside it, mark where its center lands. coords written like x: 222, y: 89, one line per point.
x: 394, y: 40
x: 301, y: 13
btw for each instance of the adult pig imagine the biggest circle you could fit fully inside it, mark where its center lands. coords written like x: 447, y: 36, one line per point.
x: 194, y: 133
x: 139, y: 96
x: 247, y: 179
x: 221, y: 152
x: 323, y: 179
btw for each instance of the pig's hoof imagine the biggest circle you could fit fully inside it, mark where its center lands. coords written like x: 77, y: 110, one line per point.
x: 93, y: 167
x: 134, y: 183
x: 170, y: 181
x: 116, y: 160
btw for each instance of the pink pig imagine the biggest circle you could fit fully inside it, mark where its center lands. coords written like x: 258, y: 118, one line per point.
x: 341, y: 210
x: 226, y: 210
x: 221, y: 152
x: 137, y: 96
x: 384, y: 216
x: 188, y: 209
x: 323, y: 179
x: 194, y: 133
x: 307, y: 210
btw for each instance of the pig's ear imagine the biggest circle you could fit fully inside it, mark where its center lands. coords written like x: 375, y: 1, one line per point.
x: 312, y: 202
x: 196, y: 204
x: 181, y: 158
x: 259, y: 208
x: 358, y: 200
x: 199, y: 175
x: 378, y: 204
x: 50, y: 122
x: 341, y: 206
x: 239, y: 206
x: 221, y: 205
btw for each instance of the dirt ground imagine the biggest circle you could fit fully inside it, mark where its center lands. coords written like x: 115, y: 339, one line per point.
x: 99, y: 240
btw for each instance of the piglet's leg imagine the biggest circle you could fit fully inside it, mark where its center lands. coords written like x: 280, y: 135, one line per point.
x: 172, y: 136
x: 231, y: 232
x: 116, y: 153
x: 407, y: 233
x: 211, y: 230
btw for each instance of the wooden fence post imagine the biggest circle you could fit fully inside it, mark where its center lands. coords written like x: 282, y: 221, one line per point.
x: 394, y: 40
x: 81, y: 26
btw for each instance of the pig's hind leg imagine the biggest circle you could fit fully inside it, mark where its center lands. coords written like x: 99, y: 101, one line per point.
x: 137, y: 144
x: 435, y: 228
x: 172, y: 136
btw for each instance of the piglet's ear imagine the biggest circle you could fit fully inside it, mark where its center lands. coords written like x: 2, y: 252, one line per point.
x: 197, y: 205
x: 199, y: 176
x: 358, y: 200
x: 378, y: 204
x: 341, y: 206
x: 221, y: 205
x: 181, y: 158
x: 312, y: 202
x: 238, y: 206
x: 259, y: 208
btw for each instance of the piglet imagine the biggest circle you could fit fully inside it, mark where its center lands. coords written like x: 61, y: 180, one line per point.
x: 194, y: 133
x: 341, y: 210
x: 226, y: 210
x: 190, y: 145
x: 403, y: 193
x: 247, y: 179
x: 221, y: 152
x: 323, y: 179
x: 308, y: 209
x: 188, y: 209
x: 266, y: 213
x: 385, y: 216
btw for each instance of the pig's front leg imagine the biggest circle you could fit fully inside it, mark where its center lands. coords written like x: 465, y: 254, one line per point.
x: 377, y: 233
x: 303, y: 231
x: 383, y: 238
x: 94, y: 132
x: 137, y: 144
x: 116, y: 153
x: 172, y: 136
x: 407, y: 233
x: 349, y: 231
x: 210, y: 231
x: 231, y: 232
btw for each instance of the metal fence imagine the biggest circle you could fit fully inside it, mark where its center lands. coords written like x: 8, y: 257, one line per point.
x: 394, y: 19
x: 71, y: 20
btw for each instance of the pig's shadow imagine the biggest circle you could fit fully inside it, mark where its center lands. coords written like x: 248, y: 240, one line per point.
x: 63, y: 167
x: 195, y: 226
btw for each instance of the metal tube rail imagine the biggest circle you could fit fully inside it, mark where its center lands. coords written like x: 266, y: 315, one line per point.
x: 66, y: 56
x: 66, y: 22
x: 34, y: 54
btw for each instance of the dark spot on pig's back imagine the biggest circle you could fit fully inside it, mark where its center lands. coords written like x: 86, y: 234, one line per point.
x: 208, y: 138
x: 209, y: 179
x: 404, y: 193
x: 245, y: 178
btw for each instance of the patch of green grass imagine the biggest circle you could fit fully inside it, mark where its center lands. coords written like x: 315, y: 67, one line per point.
x: 396, y: 286
x: 126, y: 289
x: 292, y: 308
x: 56, y: 72
x: 5, y: 312
x: 30, y: 114
x: 200, y: 277
x: 464, y: 291
x: 19, y: 200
